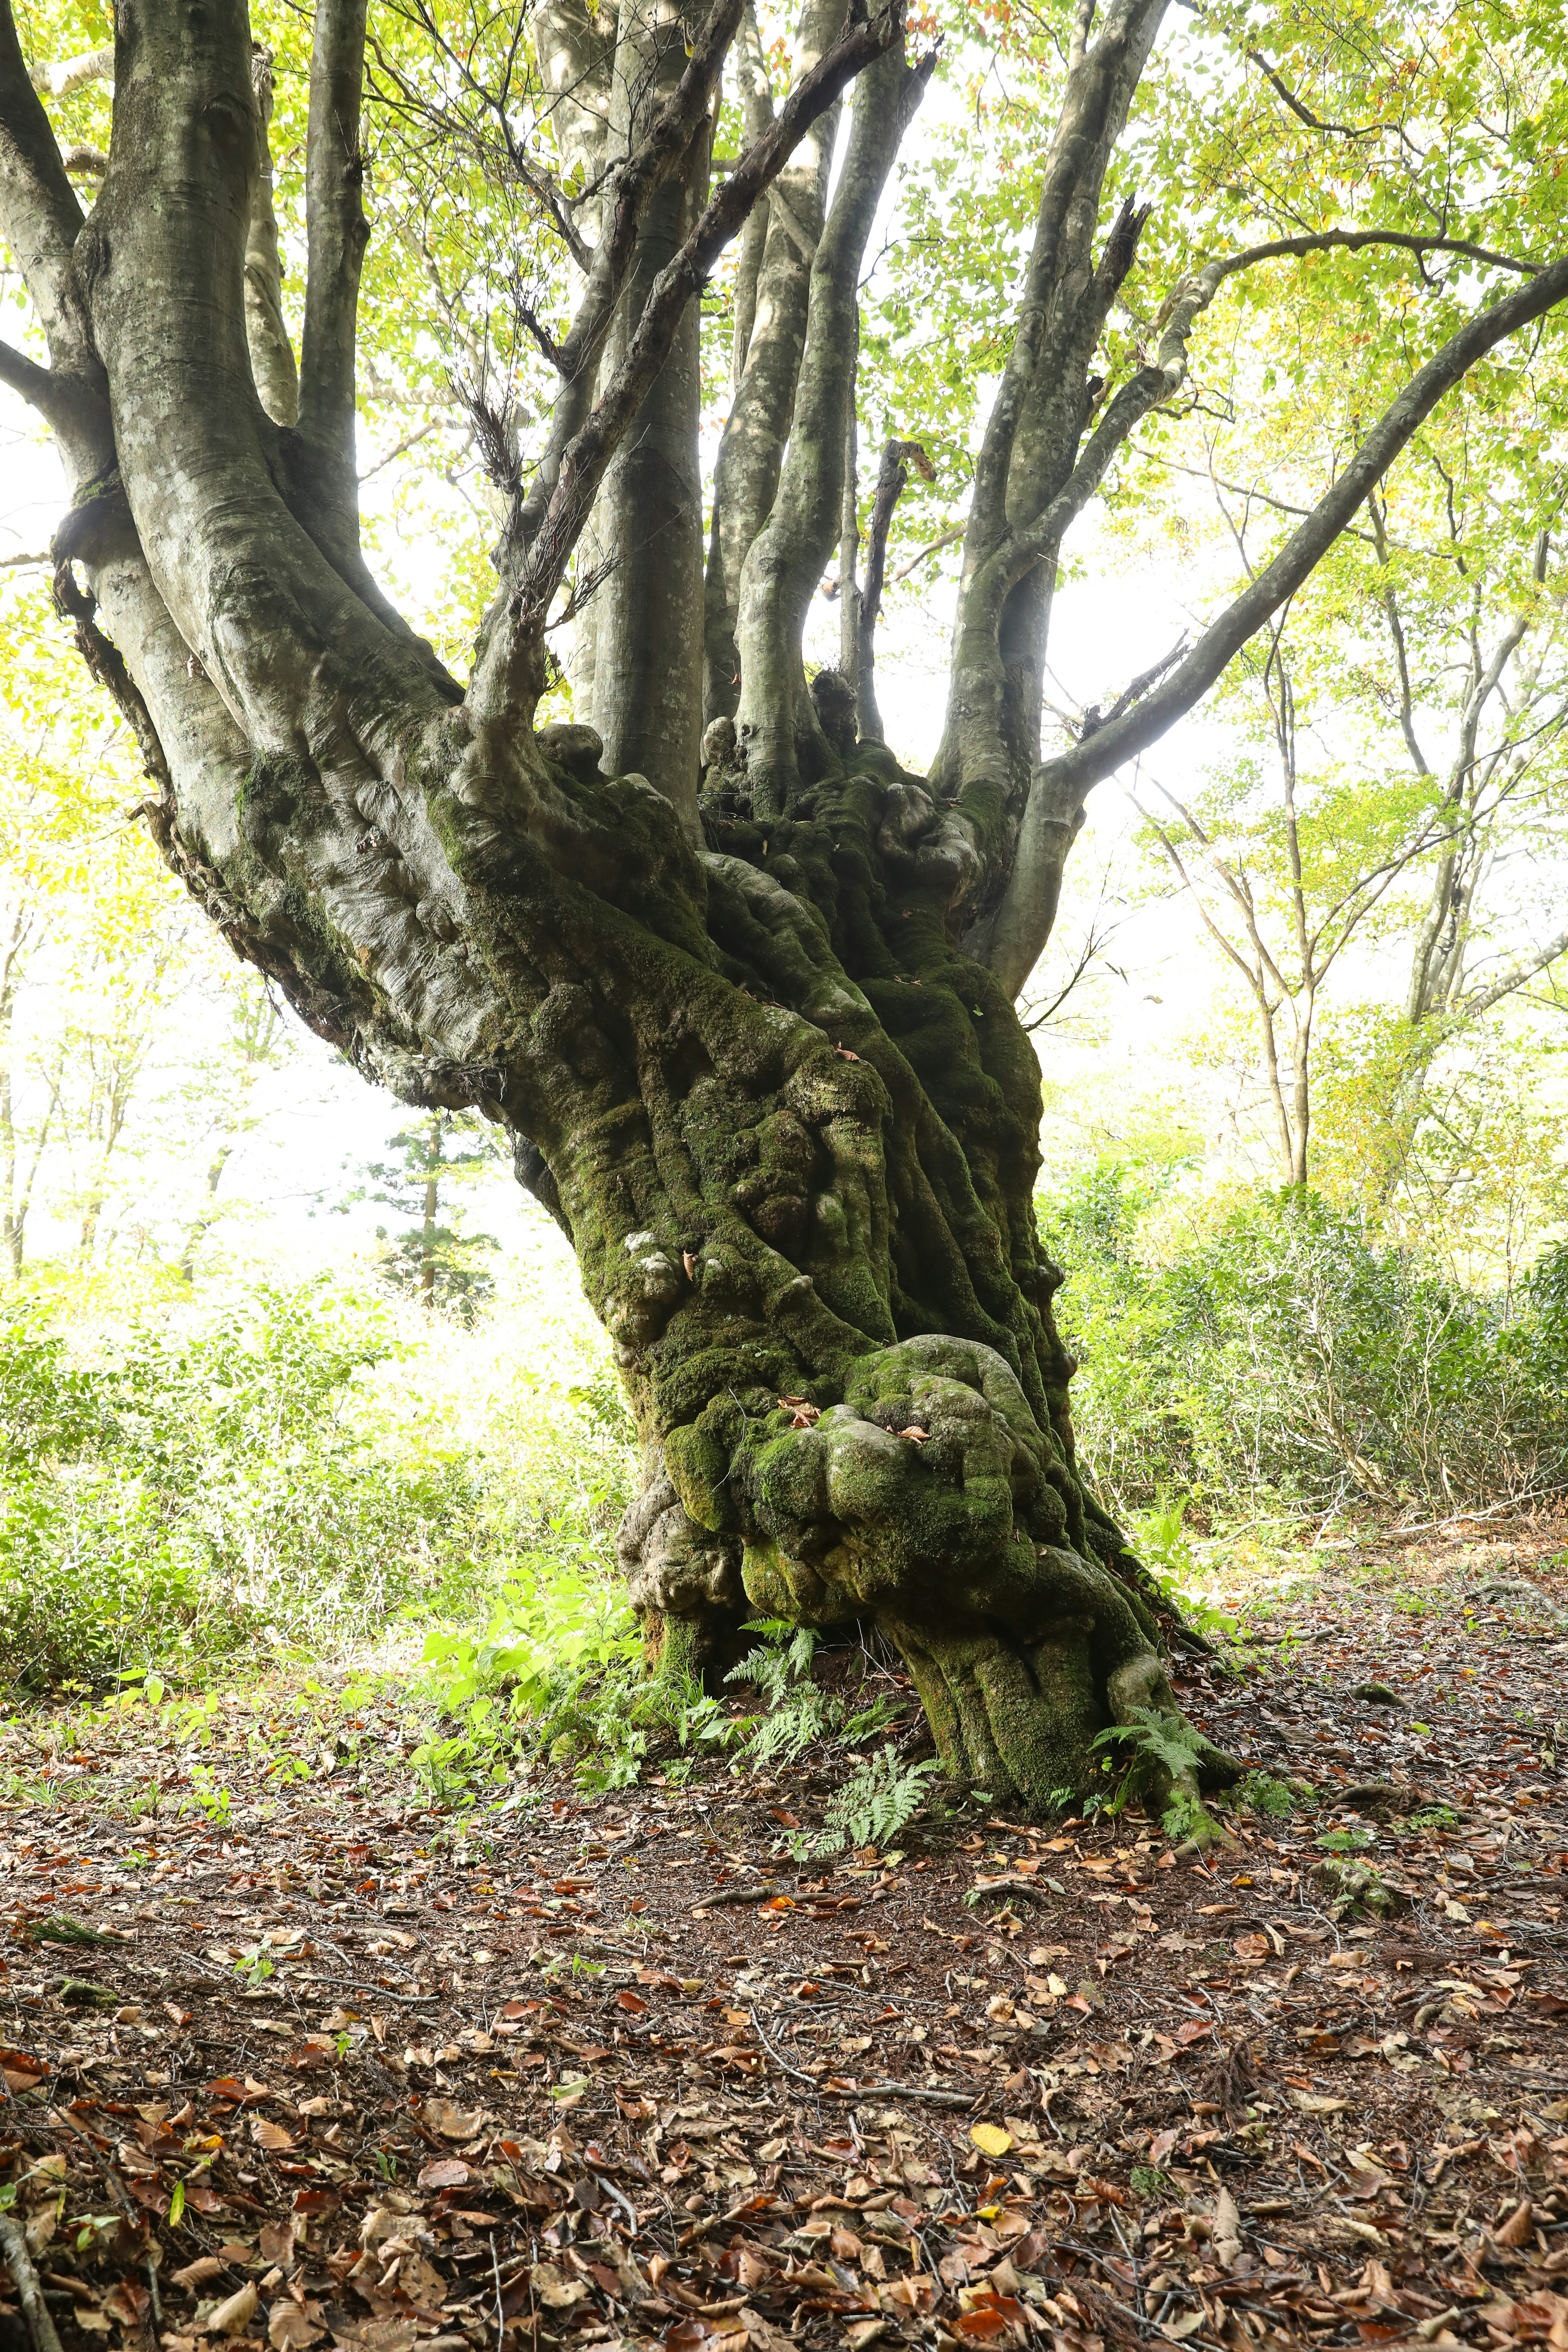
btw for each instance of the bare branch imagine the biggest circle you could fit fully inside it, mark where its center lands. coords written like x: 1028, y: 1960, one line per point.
x: 72, y: 73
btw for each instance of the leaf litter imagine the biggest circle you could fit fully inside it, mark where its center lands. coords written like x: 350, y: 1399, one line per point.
x: 335, y: 2068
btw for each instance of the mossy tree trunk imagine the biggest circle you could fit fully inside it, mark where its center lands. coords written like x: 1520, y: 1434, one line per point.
x: 750, y: 1024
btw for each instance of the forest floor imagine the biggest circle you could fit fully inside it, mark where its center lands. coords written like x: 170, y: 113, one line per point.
x: 305, y: 2062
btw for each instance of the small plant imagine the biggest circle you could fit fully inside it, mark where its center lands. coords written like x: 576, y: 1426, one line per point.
x: 1344, y: 1840
x: 210, y: 1794
x: 254, y: 1967
x: 877, y: 1801
x: 1435, y: 1817
x: 1265, y: 1794
x: 1160, y: 1749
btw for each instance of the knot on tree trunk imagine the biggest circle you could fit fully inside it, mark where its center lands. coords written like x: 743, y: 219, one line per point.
x: 932, y: 1501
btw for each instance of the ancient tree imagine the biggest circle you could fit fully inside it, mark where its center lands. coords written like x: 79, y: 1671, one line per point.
x: 737, y: 985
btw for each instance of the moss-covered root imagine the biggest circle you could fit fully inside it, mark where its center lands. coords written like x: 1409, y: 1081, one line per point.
x: 1017, y: 1720
x: 684, y: 1582
x: 1020, y: 1718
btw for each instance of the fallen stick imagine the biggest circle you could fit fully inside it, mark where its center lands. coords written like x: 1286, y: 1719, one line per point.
x: 908, y: 2090
x: 40, y: 2327
x: 737, y: 1895
x: 1011, y: 1887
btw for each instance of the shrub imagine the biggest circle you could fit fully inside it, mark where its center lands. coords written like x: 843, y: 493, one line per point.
x: 1276, y: 1346
x: 268, y: 1478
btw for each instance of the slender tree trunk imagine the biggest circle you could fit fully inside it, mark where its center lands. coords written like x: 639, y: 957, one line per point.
x: 431, y: 1210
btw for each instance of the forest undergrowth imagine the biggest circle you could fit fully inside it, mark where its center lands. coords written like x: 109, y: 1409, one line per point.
x: 307, y: 2046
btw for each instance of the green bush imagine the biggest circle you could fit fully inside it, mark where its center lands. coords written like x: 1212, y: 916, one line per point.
x: 268, y: 1477
x: 1275, y: 1347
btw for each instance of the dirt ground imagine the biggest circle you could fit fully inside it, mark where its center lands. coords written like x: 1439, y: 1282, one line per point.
x: 615, y: 2070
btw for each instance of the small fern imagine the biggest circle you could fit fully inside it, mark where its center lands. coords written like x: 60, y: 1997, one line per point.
x: 1155, y: 1746
x: 877, y: 1801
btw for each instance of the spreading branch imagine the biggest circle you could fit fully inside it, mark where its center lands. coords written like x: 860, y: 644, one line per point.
x: 1011, y: 941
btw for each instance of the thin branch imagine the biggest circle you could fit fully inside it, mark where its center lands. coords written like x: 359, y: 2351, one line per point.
x: 1355, y: 240
x: 1304, y: 113
x: 892, y: 477
x: 932, y: 547
x: 1483, y: 999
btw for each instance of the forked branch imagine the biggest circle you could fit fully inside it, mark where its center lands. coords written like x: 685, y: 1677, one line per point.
x: 587, y: 456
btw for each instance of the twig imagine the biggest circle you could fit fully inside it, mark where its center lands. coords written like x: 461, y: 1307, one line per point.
x: 908, y: 2091
x: 500, y: 2316
x: 800, y: 2075
x: 40, y: 2327
x: 735, y: 1894
x: 1013, y: 1886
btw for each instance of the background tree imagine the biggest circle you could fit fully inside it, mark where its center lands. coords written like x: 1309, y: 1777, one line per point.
x: 433, y: 1255
x: 749, y: 1023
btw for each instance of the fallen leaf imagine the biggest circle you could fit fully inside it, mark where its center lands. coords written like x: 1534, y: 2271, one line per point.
x: 555, y: 2289
x: 235, y: 2313
x: 445, y: 2172
x: 289, y: 2328
x: 990, y: 2139
x: 453, y: 2123
x: 266, y: 2133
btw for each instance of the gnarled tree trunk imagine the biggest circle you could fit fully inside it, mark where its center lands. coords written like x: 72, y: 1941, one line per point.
x: 750, y: 1027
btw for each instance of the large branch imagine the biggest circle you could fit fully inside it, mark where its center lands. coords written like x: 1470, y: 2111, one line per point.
x: 751, y: 452
x: 786, y: 559
x: 586, y: 460
x: 337, y: 236
x: 634, y: 184
x: 1100, y: 83
x: 1012, y: 940
x: 71, y: 74
x: 39, y: 215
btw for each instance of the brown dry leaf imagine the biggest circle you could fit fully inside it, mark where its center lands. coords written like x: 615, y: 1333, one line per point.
x: 289, y: 2329
x: 1516, y: 2229
x: 235, y: 2313
x: 917, y: 1435
x: 445, y: 2172
x: 453, y: 2123
x: 197, y: 2273
x: 555, y: 2289
x: 277, y: 2242
x: 266, y: 2133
